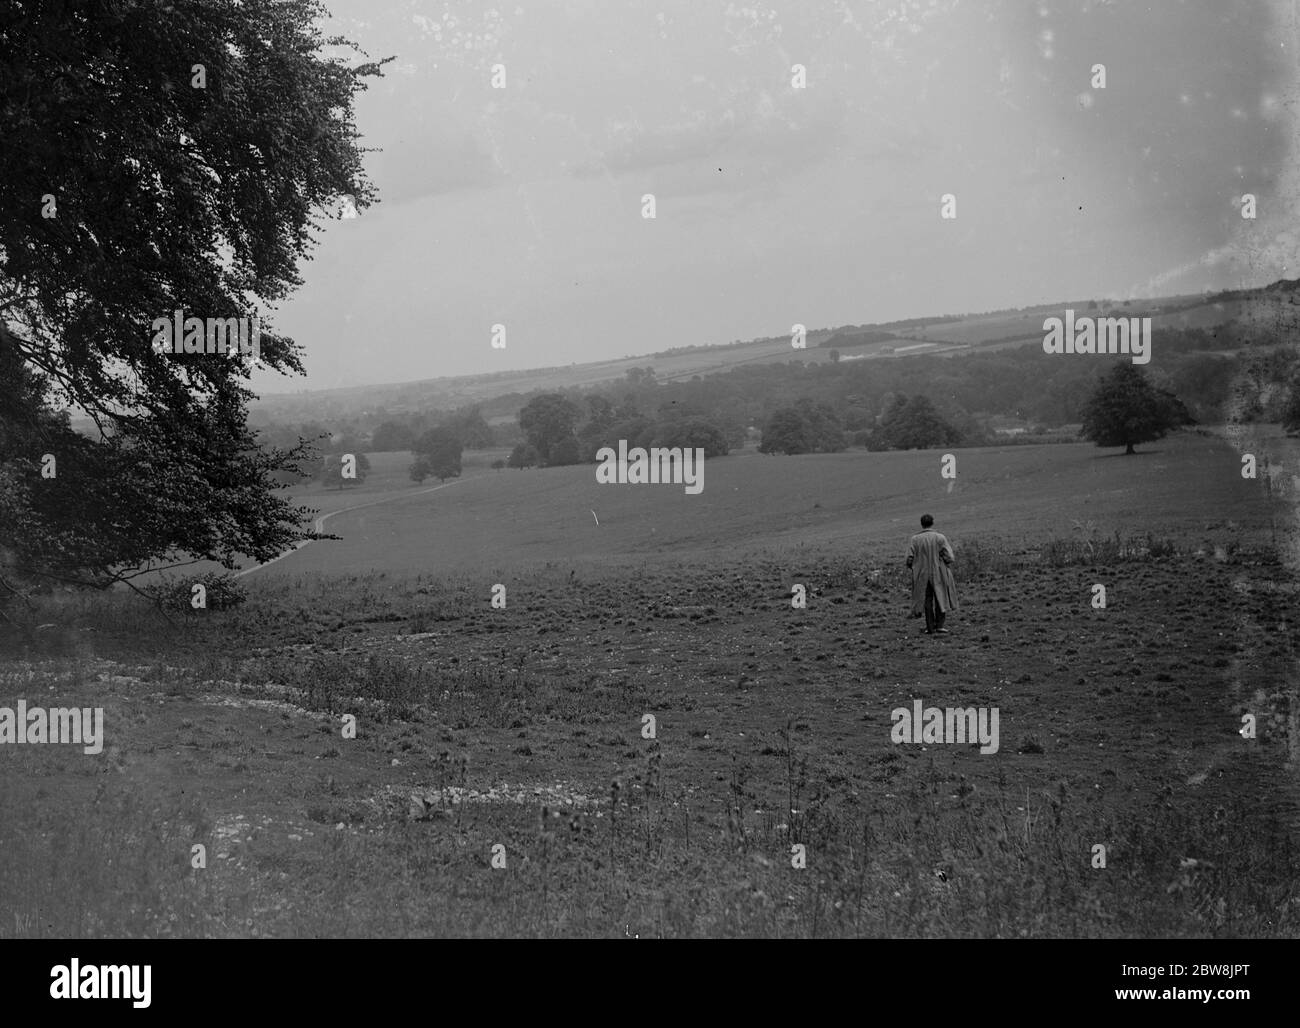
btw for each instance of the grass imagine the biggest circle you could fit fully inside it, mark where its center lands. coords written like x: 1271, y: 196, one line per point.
x: 937, y: 861
x: 524, y: 728
x: 493, y: 525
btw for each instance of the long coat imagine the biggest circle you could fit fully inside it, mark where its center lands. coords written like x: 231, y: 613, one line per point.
x: 928, y: 555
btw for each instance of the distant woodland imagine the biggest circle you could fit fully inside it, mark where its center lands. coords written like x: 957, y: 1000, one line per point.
x: 1231, y: 372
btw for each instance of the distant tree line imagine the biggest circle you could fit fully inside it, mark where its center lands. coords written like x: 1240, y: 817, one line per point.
x: 1122, y: 409
x: 468, y: 425
x: 796, y: 406
x: 559, y: 431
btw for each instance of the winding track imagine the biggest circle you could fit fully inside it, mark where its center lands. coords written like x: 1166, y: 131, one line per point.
x: 319, y: 524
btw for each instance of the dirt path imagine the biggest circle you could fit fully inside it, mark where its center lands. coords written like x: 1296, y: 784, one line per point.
x: 319, y: 524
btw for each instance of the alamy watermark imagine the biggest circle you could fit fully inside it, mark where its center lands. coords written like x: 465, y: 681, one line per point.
x: 179, y: 334
x: 658, y: 465
x: 80, y: 726
x: 107, y: 981
x: 1098, y: 335
x: 951, y: 725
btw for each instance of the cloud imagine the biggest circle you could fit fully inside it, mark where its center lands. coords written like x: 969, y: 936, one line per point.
x: 1254, y: 261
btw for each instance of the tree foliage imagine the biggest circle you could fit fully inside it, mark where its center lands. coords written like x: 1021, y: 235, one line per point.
x: 522, y: 456
x: 693, y: 433
x: 547, y: 421
x: 807, y: 426
x: 912, y: 423
x: 392, y: 437
x: 472, y: 429
x: 127, y: 193
x: 565, y: 452
x: 1016, y: 387
x: 785, y: 432
x: 438, y: 453
x: 1126, y: 409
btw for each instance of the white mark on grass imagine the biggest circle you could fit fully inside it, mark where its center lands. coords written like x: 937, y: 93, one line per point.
x: 429, y: 799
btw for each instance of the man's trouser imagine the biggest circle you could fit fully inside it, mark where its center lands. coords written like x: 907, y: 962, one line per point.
x: 934, y: 617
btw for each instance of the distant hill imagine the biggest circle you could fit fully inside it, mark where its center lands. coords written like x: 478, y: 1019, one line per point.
x: 951, y: 336
x: 852, y: 340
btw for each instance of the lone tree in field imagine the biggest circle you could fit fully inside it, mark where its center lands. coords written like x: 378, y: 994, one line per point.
x: 155, y: 158
x: 438, y: 453
x: 1126, y: 409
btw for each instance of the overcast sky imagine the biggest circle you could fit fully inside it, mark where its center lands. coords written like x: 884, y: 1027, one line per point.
x: 778, y: 205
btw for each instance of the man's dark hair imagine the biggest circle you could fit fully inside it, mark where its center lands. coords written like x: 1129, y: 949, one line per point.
x: 927, y: 520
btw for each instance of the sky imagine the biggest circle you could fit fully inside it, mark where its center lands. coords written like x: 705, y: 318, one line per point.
x: 777, y: 205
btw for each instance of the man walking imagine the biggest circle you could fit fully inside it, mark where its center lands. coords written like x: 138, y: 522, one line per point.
x: 929, y: 555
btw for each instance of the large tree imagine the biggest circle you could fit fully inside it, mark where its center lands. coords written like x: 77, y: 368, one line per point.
x: 692, y: 433
x: 786, y: 431
x: 912, y: 423
x: 473, y: 429
x: 438, y: 453
x: 1126, y: 409
x: 806, y: 426
x: 600, y: 411
x: 155, y: 158
x: 547, y: 420
x: 522, y: 456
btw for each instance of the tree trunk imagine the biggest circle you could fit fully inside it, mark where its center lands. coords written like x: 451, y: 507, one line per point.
x: 1129, y: 450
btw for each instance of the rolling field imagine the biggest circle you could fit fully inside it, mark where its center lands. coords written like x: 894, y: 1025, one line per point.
x: 1026, y: 326
x: 518, y: 736
x: 751, y: 503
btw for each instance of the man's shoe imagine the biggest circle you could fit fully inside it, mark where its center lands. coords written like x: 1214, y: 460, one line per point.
x: 942, y: 631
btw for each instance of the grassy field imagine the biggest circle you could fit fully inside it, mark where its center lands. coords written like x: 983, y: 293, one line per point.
x: 524, y: 728
x: 1028, y: 325
x: 495, y: 522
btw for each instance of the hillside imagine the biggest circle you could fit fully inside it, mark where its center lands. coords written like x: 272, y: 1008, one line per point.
x: 751, y: 503
x: 518, y: 729
x: 1258, y: 308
